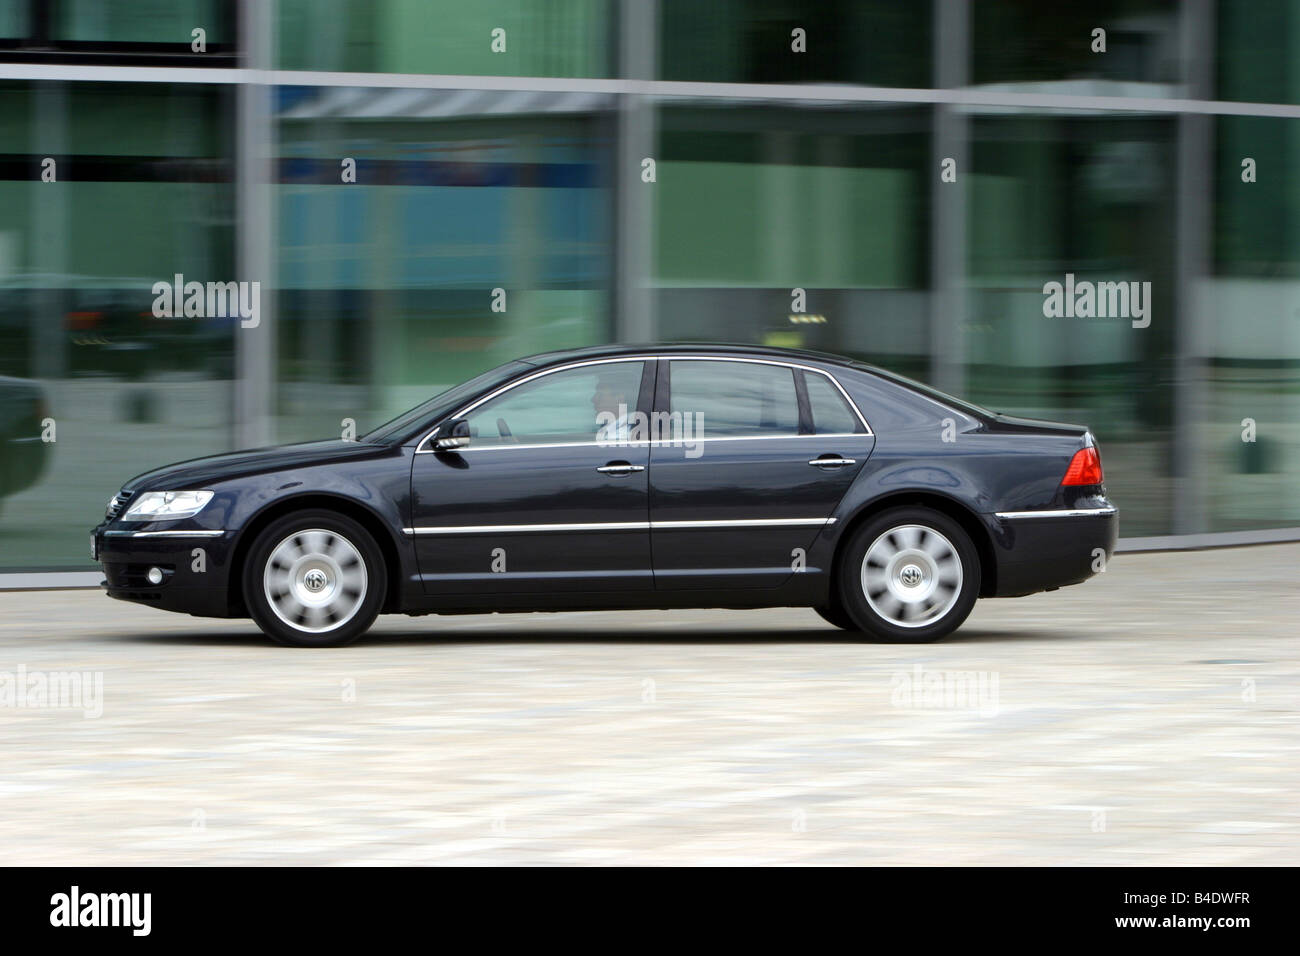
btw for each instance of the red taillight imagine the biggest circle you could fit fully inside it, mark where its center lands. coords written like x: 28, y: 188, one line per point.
x: 1085, y: 468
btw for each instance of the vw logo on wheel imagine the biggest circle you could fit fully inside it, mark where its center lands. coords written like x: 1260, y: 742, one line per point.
x: 315, y: 580
x: 911, y: 575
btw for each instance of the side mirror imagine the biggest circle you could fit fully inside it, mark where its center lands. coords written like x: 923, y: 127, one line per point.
x: 452, y: 435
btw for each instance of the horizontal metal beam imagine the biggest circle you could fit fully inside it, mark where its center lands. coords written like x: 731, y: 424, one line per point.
x: 667, y: 89
x: 1214, y: 539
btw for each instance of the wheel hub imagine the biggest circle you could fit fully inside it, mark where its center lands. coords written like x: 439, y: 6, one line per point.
x: 315, y: 580
x: 911, y: 575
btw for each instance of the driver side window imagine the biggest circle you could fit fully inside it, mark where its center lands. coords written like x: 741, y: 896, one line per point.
x: 584, y: 404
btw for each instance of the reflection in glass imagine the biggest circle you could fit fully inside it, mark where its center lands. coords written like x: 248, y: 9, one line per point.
x: 1059, y: 195
x: 476, y: 232
x: 482, y: 38
x: 1251, y: 302
x: 798, y: 228
x: 106, y: 190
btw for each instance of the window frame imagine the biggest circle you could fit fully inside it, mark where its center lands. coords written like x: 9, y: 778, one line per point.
x: 663, y: 396
x: 653, y: 398
x: 648, y: 370
x: 483, y: 406
x: 800, y: 403
x: 806, y: 401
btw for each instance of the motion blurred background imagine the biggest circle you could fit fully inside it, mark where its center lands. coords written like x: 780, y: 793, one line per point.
x: 523, y: 170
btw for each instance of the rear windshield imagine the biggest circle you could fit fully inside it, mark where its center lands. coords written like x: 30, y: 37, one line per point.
x: 943, y: 398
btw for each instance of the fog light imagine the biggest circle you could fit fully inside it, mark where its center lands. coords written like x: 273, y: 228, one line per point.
x: 154, y: 575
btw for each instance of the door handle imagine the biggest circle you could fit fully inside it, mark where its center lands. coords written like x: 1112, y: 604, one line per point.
x: 619, y: 468
x: 832, y: 461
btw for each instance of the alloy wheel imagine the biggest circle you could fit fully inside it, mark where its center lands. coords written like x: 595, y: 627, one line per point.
x: 315, y: 580
x: 911, y: 575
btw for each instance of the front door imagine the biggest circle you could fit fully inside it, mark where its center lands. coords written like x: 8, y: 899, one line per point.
x: 550, y: 494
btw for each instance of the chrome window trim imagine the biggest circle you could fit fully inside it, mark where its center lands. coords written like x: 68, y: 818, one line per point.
x: 422, y: 446
x: 617, y: 526
x: 1059, y: 513
x: 658, y: 442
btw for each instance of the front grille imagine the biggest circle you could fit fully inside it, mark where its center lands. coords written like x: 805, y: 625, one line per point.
x: 117, y: 503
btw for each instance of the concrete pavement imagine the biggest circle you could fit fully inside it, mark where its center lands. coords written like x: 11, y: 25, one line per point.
x: 1150, y: 716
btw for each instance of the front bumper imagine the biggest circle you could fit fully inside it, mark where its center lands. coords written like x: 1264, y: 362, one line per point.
x: 195, y: 563
x: 1037, y: 550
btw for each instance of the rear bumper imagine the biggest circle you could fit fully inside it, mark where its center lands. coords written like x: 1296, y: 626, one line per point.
x: 1037, y: 550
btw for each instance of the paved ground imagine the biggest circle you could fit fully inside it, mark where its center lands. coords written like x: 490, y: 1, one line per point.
x: 1151, y: 716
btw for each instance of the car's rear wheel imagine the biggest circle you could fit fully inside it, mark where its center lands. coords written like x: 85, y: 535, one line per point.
x: 314, y: 579
x: 909, y: 575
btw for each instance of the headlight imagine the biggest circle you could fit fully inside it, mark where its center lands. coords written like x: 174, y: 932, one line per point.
x: 162, y: 505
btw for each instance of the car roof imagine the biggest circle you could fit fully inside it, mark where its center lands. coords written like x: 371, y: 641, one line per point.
x: 687, y: 348
x: 544, y: 359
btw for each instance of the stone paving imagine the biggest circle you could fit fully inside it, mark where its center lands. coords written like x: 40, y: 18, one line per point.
x: 1150, y: 716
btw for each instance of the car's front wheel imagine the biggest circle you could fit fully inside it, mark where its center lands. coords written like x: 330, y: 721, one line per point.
x: 314, y: 579
x: 909, y: 575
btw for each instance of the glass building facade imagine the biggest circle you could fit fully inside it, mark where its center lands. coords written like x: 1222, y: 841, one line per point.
x: 423, y: 189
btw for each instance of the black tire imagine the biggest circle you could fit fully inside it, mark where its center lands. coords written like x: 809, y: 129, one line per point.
x: 834, y: 614
x: 348, y: 562
x: 909, y: 544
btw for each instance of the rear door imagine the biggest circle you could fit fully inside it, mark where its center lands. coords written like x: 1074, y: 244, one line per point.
x: 753, y: 458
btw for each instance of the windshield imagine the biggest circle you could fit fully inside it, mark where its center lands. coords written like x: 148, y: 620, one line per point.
x: 444, y: 403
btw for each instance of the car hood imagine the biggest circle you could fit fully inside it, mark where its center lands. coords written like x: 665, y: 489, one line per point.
x: 198, y: 472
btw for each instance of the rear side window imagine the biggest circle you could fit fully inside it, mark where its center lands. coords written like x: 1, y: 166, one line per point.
x: 734, y: 399
x: 831, y: 413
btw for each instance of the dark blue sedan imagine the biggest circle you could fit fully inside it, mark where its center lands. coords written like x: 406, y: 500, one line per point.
x: 629, y: 477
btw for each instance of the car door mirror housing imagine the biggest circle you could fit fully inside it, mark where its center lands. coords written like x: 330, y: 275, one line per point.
x: 452, y: 435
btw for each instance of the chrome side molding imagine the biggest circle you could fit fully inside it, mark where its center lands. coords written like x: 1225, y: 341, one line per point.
x: 1060, y: 513
x: 619, y: 526
x: 165, y: 534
